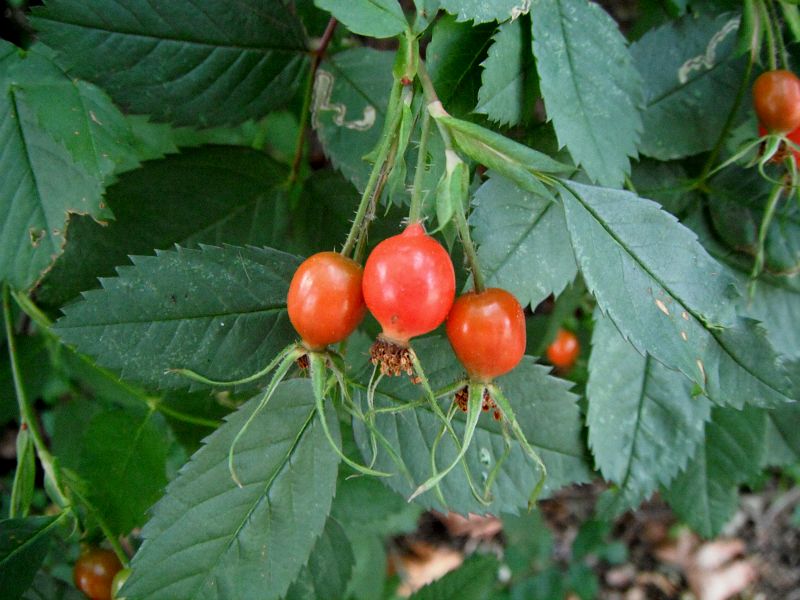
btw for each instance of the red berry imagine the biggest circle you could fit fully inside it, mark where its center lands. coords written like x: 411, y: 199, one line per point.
x: 325, y: 302
x: 564, y: 350
x: 409, y: 284
x: 776, y: 97
x: 487, y: 332
x: 94, y: 571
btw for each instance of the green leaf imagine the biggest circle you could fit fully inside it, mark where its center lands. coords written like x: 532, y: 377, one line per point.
x: 521, y: 164
x: 523, y: 242
x: 369, y: 570
x: 184, y: 62
x: 452, y: 59
x: 676, y: 303
x: 665, y: 183
x: 480, y: 11
x: 156, y: 207
x: 77, y: 114
x: 373, y: 18
x: 529, y: 542
x: 123, y: 461
x: 351, y: 92
x: 544, y: 407
x: 41, y: 183
x: 24, y: 476
x: 365, y: 504
x: 590, y: 87
x: 327, y: 572
x: 776, y: 301
x: 690, y: 83
x: 705, y: 495
x: 474, y: 580
x: 209, y: 538
x: 782, y: 436
x: 218, y: 311
x: 508, y: 76
x: 644, y: 423
x: 23, y: 547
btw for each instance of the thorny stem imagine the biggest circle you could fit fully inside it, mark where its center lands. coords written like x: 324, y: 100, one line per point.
x: 768, y: 27
x: 388, y: 137
x: 316, y: 58
x: 773, y: 13
x: 26, y: 412
x: 386, y: 168
x: 415, y: 212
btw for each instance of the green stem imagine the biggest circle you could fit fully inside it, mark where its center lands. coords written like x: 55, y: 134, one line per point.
x: 769, y: 213
x: 773, y: 13
x: 388, y: 164
x: 316, y: 58
x: 113, y: 540
x: 712, y: 158
x: 415, y: 212
x: 469, y: 249
x: 393, y: 116
x: 27, y: 414
x: 768, y: 28
x: 184, y: 417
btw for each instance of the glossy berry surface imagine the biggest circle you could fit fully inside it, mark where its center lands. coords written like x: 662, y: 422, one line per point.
x: 776, y: 98
x: 94, y: 571
x: 487, y: 332
x: 324, y: 302
x: 564, y: 350
x: 409, y: 284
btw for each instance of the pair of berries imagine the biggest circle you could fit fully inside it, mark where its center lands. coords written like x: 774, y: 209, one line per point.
x: 408, y: 284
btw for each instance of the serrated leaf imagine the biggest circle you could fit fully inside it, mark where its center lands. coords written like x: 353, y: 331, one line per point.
x: 156, y: 207
x: 644, y: 424
x: 218, y: 311
x: 209, y: 538
x: 23, y: 547
x: 676, y: 303
x: 327, y: 572
x: 590, y: 86
x: 688, y: 67
x: 77, y: 114
x: 544, y: 407
x: 40, y: 187
x: 473, y: 580
x: 351, y: 92
x: 705, y: 495
x: 364, y: 504
x: 452, y: 59
x: 370, y: 568
x: 185, y: 61
x: 373, y: 18
x: 508, y: 75
x: 480, y: 11
x: 776, y: 301
x: 523, y: 242
x: 123, y: 461
x: 782, y: 436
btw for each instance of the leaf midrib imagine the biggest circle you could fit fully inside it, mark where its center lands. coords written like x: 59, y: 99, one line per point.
x: 677, y: 298
x: 278, y: 470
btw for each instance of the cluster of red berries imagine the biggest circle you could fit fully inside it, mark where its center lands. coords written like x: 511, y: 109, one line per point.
x: 776, y: 98
x: 408, y: 284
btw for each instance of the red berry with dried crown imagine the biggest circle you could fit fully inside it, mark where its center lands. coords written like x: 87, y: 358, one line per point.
x: 325, y: 302
x: 487, y: 332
